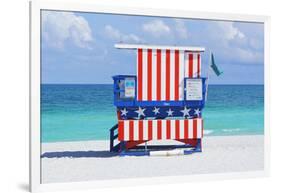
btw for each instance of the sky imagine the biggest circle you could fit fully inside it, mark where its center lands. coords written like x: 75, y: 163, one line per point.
x: 78, y: 48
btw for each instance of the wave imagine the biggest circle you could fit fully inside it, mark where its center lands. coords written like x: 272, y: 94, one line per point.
x: 207, y: 132
x: 231, y: 130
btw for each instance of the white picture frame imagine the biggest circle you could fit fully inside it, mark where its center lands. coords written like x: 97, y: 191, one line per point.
x: 87, y: 6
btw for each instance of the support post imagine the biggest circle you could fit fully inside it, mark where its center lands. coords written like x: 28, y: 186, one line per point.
x: 145, y: 146
x: 111, y: 140
x: 122, y: 146
x: 199, y: 145
x: 208, y: 75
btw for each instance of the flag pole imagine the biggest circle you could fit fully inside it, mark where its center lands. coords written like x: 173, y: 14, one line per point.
x: 208, y: 74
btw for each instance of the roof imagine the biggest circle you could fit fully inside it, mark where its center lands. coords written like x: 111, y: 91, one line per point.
x: 162, y: 47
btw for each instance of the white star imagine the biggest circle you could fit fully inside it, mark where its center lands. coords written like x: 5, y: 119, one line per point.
x: 185, y: 112
x: 124, y: 112
x: 140, y: 112
x: 197, y: 112
x: 156, y: 111
x: 170, y: 112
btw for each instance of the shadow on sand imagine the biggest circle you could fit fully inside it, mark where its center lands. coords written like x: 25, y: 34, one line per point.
x: 79, y: 154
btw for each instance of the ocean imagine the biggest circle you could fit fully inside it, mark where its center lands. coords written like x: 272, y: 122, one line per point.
x: 86, y: 112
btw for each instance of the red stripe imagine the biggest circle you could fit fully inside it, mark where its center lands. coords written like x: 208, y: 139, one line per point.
x: 190, y: 65
x: 121, y: 130
x: 177, y: 129
x: 186, y: 65
x: 202, y: 127
x: 198, y: 65
x: 158, y: 85
x: 140, y: 130
x: 131, y: 130
x: 149, y: 74
x: 186, y: 129
x: 140, y: 74
x: 167, y: 75
x: 168, y: 129
x: 149, y: 129
x: 177, y: 72
x: 194, y: 128
x: 159, y: 129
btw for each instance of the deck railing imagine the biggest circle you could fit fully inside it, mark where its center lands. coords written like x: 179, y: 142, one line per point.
x: 113, y: 136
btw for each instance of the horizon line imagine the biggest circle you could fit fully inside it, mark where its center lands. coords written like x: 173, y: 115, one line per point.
x: 112, y: 84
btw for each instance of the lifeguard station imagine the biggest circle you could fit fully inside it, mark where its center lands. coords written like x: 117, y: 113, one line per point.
x: 163, y: 101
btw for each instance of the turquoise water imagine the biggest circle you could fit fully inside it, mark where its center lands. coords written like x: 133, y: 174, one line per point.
x: 86, y: 112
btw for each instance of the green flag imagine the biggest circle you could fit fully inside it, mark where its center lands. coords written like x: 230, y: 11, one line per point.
x: 214, y: 66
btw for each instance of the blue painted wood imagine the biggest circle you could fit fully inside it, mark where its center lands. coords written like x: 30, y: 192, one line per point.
x: 134, y: 153
x: 120, y: 101
x: 163, y: 112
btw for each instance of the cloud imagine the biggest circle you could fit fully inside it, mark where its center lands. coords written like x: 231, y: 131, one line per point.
x: 115, y: 34
x: 156, y: 28
x: 232, y: 44
x: 256, y: 43
x: 229, y: 31
x: 181, y: 29
x: 61, y: 27
x: 249, y: 56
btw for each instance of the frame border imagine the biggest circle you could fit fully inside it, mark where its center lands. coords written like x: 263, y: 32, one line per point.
x: 34, y: 92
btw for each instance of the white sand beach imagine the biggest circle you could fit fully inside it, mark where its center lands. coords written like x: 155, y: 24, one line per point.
x: 91, y: 160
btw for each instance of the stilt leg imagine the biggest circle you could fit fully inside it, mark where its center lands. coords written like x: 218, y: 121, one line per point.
x: 145, y: 146
x: 199, y: 146
x: 122, y: 146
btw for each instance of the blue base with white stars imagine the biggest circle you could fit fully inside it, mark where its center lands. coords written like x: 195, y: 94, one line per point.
x: 158, y: 112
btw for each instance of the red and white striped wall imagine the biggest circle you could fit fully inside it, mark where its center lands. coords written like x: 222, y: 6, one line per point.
x: 161, y: 73
x: 192, y: 63
x: 135, y: 130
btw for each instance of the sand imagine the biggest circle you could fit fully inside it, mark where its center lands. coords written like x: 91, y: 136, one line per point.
x: 91, y: 160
